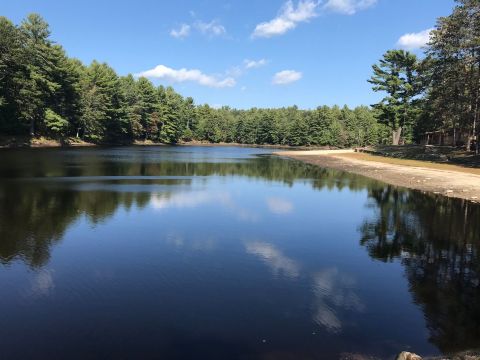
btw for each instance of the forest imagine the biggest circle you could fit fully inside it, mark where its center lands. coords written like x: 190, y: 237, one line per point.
x: 43, y: 92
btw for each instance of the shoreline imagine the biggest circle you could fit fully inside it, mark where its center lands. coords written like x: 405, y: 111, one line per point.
x: 448, y: 180
x: 40, y: 143
x: 442, y: 179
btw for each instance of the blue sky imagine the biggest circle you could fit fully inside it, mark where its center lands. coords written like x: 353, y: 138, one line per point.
x: 242, y: 53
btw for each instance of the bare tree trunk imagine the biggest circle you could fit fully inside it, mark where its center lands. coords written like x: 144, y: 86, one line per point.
x: 476, y: 128
x: 32, y: 127
x: 396, y: 134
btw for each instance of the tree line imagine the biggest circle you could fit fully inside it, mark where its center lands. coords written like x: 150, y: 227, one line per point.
x: 440, y: 91
x: 43, y: 92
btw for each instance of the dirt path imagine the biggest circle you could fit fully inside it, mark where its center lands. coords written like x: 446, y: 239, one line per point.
x: 449, y: 180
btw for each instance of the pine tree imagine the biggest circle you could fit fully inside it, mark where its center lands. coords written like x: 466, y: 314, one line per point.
x: 396, y: 74
x: 12, y: 74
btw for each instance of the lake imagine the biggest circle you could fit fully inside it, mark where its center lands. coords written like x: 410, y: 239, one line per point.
x: 226, y: 253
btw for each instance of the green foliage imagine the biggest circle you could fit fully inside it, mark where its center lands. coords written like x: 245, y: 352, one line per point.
x: 43, y: 92
x: 55, y: 124
x: 448, y: 78
x: 452, y: 72
x: 397, y: 75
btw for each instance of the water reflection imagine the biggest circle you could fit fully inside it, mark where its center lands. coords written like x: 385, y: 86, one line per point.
x: 279, y: 206
x: 119, y: 182
x: 198, y: 244
x: 178, y: 203
x: 42, y: 283
x: 194, y: 199
x: 34, y: 218
x: 189, y: 199
x: 334, y: 293
x: 437, y: 240
x: 274, y: 258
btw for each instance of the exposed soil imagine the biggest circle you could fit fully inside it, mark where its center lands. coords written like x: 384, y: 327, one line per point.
x: 449, y: 180
x: 265, y: 146
x: 42, y: 142
x: 39, y: 142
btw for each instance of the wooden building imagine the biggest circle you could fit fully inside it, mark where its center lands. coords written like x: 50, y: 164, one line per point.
x: 446, y: 137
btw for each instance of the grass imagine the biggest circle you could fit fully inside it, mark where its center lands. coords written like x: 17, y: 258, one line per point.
x: 436, y: 154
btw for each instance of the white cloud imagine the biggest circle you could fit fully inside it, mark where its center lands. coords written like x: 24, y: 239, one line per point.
x: 288, y: 18
x: 286, y: 77
x: 274, y: 258
x: 274, y: 27
x: 213, y: 28
x: 279, y: 206
x: 237, y: 71
x: 413, y: 41
x: 251, y: 64
x: 182, y: 32
x: 183, y: 75
x: 234, y: 71
x: 348, y: 7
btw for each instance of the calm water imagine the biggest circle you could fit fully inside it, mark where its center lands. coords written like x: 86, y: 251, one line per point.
x: 226, y: 253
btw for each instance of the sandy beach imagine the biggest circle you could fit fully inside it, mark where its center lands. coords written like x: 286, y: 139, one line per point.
x: 449, y: 180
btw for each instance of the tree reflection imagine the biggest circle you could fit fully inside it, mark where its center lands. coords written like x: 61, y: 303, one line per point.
x: 43, y: 192
x: 437, y: 240
x: 33, y: 217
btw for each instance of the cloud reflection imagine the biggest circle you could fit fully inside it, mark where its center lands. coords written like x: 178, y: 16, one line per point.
x: 333, y: 295
x: 184, y: 199
x: 279, y: 206
x: 42, y: 283
x: 195, y: 199
x: 274, y: 258
x: 197, y: 244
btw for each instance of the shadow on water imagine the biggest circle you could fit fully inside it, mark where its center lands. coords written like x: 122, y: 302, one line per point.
x: 436, y: 239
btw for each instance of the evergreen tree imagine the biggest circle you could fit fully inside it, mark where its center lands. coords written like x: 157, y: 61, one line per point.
x: 453, y: 97
x: 12, y: 77
x: 45, y: 93
x: 396, y: 74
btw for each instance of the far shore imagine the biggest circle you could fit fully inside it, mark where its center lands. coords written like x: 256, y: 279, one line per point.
x: 439, y: 178
x: 24, y: 142
x: 445, y: 179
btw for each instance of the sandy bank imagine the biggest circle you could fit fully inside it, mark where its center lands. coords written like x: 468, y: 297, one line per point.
x: 449, y: 180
